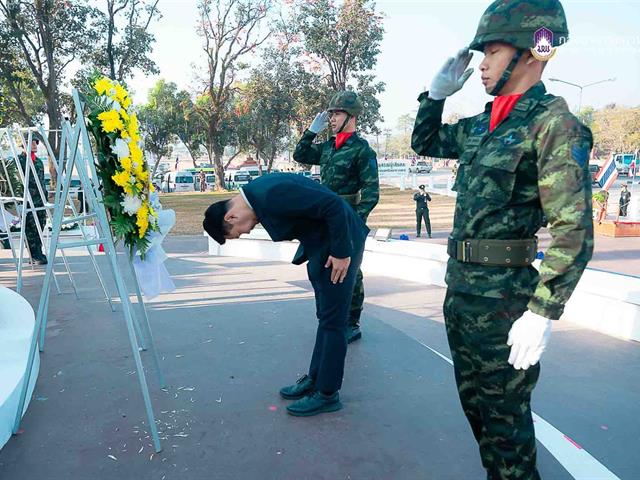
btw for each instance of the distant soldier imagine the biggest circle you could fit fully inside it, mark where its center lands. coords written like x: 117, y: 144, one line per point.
x: 526, y: 156
x: 31, y: 231
x: 203, y: 181
x: 625, y: 199
x: 422, y: 210
x: 348, y: 167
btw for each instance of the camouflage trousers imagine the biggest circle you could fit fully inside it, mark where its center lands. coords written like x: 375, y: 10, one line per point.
x: 495, y: 397
x: 30, y: 230
x: 357, y: 301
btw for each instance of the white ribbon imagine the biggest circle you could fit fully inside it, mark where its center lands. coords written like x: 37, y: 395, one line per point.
x: 152, y: 274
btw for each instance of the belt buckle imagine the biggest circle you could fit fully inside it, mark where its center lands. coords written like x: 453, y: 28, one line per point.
x: 466, y: 251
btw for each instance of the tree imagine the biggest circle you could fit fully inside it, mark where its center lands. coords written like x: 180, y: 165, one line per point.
x: 345, y: 43
x: 20, y: 99
x: 267, y: 107
x: 125, y: 39
x: 230, y: 30
x: 405, y: 123
x: 616, y: 129
x: 159, y: 119
x: 586, y: 116
x: 47, y: 36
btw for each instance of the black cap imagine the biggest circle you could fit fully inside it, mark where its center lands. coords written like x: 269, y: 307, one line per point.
x: 421, y: 187
x: 214, y: 221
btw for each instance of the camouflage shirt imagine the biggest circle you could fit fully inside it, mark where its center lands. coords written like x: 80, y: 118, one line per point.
x: 351, y: 168
x: 534, y: 164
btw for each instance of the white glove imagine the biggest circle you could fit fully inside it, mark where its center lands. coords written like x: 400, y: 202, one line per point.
x: 528, y: 338
x: 320, y: 122
x: 451, y: 76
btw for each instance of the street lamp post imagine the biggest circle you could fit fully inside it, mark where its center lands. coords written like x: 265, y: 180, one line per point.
x: 582, y: 87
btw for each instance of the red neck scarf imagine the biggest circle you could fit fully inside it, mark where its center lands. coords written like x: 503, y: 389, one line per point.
x: 341, y: 138
x: 501, y: 107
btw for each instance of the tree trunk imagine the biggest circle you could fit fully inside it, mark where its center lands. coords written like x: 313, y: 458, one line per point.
x: 217, y: 162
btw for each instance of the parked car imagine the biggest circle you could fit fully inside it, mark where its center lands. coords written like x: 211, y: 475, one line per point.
x: 421, y: 166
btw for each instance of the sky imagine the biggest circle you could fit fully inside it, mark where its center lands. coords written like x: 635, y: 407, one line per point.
x: 419, y: 36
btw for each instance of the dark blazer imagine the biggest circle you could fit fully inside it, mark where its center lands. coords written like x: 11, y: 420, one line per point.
x: 291, y: 206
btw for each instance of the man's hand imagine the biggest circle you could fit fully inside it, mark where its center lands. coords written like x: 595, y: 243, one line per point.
x: 340, y: 268
x: 528, y: 338
x: 320, y: 122
x: 452, y: 75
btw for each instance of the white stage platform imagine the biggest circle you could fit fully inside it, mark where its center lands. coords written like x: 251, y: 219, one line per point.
x: 603, y: 301
x: 16, y: 330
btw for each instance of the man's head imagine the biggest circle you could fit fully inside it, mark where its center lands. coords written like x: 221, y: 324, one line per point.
x: 624, y: 188
x: 497, y: 57
x: 228, y: 219
x: 421, y: 187
x: 344, y: 108
x: 517, y: 25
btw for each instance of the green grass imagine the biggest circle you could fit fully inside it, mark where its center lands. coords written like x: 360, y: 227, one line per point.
x: 396, y: 209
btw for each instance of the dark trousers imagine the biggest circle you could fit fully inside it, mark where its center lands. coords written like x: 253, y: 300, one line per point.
x: 332, y: 310
x: 495, y: 397
x: 423, y: 213
x: 357, y: 301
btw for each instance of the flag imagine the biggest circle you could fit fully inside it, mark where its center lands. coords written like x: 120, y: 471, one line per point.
x: 607, y: 174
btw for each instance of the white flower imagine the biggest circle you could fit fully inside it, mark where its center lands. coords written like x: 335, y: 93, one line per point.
x: 131, y: 204
x: 121, y: 149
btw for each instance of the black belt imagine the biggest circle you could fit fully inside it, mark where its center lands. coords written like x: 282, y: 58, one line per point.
x: 494, y: 253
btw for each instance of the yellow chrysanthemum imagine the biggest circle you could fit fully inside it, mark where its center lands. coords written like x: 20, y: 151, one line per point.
x: 121, y: 95
x: 151, y: 190
x: 125, y: 163
x: 142, y: 220
x: 121, y: 178
x: 135, y: 152
x: 103, y: 85
x: 124, y: 115
x: 133, y: 127
x: 110, y: 121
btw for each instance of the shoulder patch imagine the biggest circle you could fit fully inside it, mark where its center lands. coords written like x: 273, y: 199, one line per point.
x: 580, y: 154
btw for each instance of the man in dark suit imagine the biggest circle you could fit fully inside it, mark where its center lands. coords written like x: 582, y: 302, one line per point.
x: 332, y: 238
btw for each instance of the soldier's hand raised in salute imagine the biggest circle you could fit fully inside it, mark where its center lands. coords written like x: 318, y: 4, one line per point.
x: 340, y: 268
x: 320, y: 122
x: 452, y: 75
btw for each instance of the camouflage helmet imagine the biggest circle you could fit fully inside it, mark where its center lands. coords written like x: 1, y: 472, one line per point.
x: 346, y: 101
x: 517, y: 21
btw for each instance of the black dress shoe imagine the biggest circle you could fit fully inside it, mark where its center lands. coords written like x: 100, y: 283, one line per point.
x: 314, y: 404
x: 302, y: 387
x: 39, y: 259
x: 353, y: 333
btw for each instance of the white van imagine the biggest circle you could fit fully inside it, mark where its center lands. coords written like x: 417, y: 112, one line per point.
x: 254, y: 172
x: 185, y: 182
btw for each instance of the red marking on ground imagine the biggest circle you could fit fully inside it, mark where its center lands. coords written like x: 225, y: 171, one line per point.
x: 573, y: 442
x: 273, y: 408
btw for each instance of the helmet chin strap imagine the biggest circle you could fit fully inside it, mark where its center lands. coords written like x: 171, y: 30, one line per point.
x: 344, y: 124
x: 506, y: 75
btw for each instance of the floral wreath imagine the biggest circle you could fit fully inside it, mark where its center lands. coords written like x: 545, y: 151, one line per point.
x: 123, y: 171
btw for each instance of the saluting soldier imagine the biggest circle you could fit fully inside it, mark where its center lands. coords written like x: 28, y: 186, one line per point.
x: 31, y: 231
x: 421, y: 197
x: 525, y: 157
x: 349, y: 167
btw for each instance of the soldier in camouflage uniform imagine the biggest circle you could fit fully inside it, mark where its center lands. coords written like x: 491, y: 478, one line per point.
x: 524, y: 157
x: 31, y: 231
x: 349, y: 167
